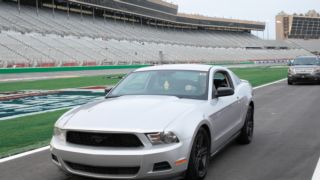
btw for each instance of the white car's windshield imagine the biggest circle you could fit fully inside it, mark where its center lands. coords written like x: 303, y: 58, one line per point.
x: 182, y: 84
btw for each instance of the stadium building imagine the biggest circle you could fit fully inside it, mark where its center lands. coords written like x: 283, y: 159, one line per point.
x: 43, y: 33
x: 300, y: 29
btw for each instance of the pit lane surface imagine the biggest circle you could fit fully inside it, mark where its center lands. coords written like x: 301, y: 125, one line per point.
x: 286, y: 145
x: 54, y: 75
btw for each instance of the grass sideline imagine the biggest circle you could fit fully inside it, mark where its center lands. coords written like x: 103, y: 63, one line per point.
x: 25, y: 133
x: 31, y: 132
x: 261, y: 75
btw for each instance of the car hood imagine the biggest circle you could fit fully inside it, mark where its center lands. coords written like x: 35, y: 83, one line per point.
x: 305, y: 66
x: 128, y: 114
x: 301, y: 69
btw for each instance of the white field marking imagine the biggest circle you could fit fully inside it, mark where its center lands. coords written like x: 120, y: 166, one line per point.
x: 316, y: 174
x: 268, y: 84
x: 36, y: 78
x: 34, y: 113
x: 47, y: 147
x: 23, y: 154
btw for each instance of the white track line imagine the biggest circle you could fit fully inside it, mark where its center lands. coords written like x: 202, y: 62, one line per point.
x: 316, y: 174
x: 36, y: 78
x: 47, y: 147
x: 23, y: 154
x: 268, y: 84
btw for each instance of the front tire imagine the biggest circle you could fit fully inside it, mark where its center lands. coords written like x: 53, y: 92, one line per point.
x: 246, y: 134
x: 199, y: 157
x: 290, y: 82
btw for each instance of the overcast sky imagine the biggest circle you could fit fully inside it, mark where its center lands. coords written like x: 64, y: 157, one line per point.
x: 258, y: 10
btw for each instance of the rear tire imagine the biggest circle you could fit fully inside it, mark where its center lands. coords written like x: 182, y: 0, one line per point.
x: 246, y: 134
x: 199, y: 157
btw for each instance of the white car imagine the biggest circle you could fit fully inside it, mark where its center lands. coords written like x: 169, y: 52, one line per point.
x: 158, y: 122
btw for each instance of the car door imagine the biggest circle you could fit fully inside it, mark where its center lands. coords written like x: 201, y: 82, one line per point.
x: 224, y: 111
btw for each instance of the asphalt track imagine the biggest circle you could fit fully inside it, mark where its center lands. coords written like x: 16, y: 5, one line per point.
x: 286, y: 142
x: 63, y: 74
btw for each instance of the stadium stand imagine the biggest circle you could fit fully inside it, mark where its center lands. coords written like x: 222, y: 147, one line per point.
x: 302, y: 30
x: 33, y: 37
x: 312, y: 45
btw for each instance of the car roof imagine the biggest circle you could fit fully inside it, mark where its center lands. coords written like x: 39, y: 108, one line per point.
x: 190, y: 67
x: 311, y: 56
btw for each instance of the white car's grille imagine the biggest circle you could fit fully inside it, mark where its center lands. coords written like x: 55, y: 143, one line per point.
x: 103, y: 139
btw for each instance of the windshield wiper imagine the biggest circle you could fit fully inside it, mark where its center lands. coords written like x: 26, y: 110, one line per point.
x: 109, y: 97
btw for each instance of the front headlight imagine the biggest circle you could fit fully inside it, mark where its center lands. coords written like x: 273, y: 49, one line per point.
x: 59, y: 133
x: 162, y: 138
x: 291, y: 71
x: 317, y: 70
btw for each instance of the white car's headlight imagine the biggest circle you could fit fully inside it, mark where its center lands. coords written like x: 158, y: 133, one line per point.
x: 162, y: 138
x: 59, y: 133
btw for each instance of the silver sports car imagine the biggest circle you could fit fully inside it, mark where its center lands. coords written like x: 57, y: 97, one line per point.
x: 158, y: 122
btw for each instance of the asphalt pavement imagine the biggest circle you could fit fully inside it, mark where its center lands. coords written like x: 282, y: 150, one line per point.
x: 286, y: 142
x: 62, y: 74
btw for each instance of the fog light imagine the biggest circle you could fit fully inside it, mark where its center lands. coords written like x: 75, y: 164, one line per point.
x: 161, y: 166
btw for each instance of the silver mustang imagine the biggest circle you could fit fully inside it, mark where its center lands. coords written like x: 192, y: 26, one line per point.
x: 158, y: 122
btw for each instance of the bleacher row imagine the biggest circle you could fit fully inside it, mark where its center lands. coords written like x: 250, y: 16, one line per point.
x: 28, y: 39
x: 34, y: 50
x: 312, y: 45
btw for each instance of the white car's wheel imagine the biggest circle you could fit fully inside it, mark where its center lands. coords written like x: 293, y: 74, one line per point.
x: 199, y: 157
x: 246, y: 134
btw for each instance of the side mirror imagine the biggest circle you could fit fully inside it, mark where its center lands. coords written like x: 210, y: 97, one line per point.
x: 107, y: 90
x: 224, y: 91
x: 289, y: 63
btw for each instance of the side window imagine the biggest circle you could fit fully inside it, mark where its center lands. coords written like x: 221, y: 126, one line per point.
x: 222, y: 79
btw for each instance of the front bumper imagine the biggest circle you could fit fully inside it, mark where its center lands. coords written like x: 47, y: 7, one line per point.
x: 304, y: 78
x: 143, y: 158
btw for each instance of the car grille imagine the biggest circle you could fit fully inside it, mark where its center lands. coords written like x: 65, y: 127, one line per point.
x: 103, y: 139
x: 304, y: 70
x: 104, y: 170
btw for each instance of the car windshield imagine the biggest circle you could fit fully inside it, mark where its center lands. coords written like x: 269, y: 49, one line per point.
x: 179, y: 83
x: 306, y: 61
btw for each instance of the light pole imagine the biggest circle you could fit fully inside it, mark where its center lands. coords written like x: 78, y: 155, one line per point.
x: 267, y: 28
x: 53, y: 6
x: 19, y: 7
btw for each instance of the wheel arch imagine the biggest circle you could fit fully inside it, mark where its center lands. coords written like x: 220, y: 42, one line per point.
x: 207, y: 128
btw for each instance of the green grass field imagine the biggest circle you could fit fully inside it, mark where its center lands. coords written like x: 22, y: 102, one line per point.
x: 262, y: 75
x: 30, y: 132
x: 25, y: 133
